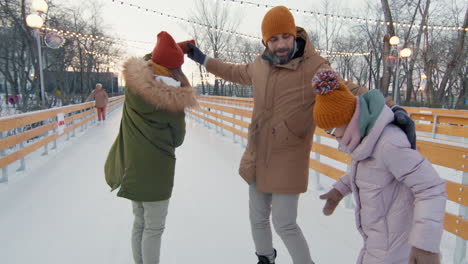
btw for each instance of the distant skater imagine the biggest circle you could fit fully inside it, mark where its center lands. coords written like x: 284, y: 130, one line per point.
x: 101, y: 97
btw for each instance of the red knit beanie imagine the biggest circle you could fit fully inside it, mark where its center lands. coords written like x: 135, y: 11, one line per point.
x: 166, y: 52
x: 183, y: 45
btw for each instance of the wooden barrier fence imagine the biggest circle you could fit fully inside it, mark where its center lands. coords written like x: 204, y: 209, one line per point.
x: 248, y: 102
x: 43, y: 125
x: 435, y: 121
x: 229, y: 114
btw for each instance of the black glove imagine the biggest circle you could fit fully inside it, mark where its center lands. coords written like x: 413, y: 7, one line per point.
x: 196, y: 54
x: 403, y: 121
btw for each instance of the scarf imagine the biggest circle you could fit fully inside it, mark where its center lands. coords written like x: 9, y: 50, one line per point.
x: 352, y: 136
x: 159, y: 70
x: 368, y: 109
x: 372, y: 104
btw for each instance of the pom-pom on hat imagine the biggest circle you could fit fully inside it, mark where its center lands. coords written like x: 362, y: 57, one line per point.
x: 166, y: 52
x: 279, y: 20
x: 334, y: 103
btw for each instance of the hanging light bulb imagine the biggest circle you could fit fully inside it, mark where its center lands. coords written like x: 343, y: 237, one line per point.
x: 395, y: 40
x: 40, y: 6
x: 34, y: 21
x: 405, y: 53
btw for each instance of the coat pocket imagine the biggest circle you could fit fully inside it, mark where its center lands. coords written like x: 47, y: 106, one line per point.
x: 247, y: 164
x: 284, y: 137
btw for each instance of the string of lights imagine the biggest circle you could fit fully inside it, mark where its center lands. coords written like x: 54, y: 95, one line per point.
x: 84, y: 37
x: 227, y: 52
x: 326, y: 52
x: 118, y: 41
x: 195, y: 23
x: 221, y: 30
x: 343, y: 54
x: 349, y: 18
x: 79, y: 35
x: 102, y: 55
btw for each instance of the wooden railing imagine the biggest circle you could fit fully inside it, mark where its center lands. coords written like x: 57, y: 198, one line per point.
x: 441, y: 124
x: 42, y: 126
x: 248, y: 102
x: 438, y: 111
x: 430, y: 120
x: 231, y: 114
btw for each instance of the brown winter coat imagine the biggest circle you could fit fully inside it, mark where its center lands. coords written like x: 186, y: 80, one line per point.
x: 101, y: 97
x: 280, y: 133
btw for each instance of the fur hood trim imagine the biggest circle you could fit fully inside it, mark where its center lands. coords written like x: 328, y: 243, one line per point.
x: 139, y: 79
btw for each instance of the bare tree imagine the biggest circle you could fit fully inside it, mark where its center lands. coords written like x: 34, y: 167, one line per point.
x: 19, y: 55
x: 210, y: 37
x: 416, y: 48
x: 385, y: 81
x: 457, y: 61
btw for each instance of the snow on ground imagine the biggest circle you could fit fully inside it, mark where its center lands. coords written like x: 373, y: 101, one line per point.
x: 60, y: 209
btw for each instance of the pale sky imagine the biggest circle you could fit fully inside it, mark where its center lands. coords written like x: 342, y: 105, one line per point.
x: 130, y: 23
x: 134, y: 24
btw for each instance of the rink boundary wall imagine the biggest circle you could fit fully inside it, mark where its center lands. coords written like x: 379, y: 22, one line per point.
x: 16, y: 131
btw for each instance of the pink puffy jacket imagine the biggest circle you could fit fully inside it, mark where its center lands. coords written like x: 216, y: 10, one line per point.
x: 400, y: 197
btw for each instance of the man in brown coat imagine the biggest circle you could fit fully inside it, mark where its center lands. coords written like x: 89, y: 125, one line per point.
x: 276, y: 160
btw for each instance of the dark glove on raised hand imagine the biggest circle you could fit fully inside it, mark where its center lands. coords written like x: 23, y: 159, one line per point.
x: 196, y: 54
x: 333, y: 198
x: 403, y: 121
x: 418, y: 256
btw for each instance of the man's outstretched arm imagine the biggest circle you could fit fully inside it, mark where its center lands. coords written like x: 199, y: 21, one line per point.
x: 238, y: 73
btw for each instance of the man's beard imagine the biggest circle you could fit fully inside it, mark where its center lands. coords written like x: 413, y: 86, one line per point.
x: 280, y: 60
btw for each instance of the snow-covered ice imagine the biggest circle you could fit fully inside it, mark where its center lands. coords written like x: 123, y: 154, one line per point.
x: 61, y: 211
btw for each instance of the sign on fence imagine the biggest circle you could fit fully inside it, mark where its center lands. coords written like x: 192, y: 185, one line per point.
x: 60, y: 123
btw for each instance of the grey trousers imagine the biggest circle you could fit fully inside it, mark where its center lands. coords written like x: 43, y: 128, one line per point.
x: 148, y: 227
x: 283, y: 208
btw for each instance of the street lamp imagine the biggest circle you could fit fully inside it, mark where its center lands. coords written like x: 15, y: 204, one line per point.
x: 401, y: 53
x: 40, y: 6
x: 36, y: 22
x: 405, y: 53
x: 420, y: 92
x: 394, y: 40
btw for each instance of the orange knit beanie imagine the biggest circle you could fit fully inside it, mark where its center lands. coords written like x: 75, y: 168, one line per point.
x: 334, y: 103
x: 166, y: 52
x: 279, y: 20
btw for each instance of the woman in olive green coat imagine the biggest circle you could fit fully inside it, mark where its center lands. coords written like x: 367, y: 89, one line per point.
x: 142, y: 160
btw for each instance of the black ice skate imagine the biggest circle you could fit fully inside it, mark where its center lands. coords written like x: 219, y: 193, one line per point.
x: 265, y: 260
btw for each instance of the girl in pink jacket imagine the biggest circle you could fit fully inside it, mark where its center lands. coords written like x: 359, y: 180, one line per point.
x: 400, y: 198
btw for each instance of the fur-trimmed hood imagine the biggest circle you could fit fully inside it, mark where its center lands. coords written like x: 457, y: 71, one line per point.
x: 139, y: 79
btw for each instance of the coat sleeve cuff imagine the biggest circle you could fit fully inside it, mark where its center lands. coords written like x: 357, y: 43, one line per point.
x: 426, y: 241
x: 343, y: 185
x: 427, y: 229
x: 206, y: 60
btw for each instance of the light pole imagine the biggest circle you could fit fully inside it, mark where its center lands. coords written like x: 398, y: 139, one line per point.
x: 421, y: 89
x: 401, y: 53
x: 35, y: 21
